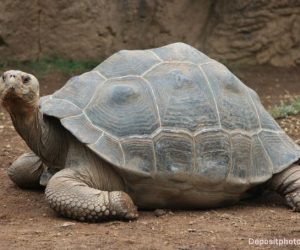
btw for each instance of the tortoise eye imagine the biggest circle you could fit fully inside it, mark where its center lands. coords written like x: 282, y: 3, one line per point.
x: 26, y: 79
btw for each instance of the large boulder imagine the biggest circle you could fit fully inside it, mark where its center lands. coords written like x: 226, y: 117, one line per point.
x: 242, y: 31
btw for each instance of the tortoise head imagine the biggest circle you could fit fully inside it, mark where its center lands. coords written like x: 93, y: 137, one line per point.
x: 17, y: 87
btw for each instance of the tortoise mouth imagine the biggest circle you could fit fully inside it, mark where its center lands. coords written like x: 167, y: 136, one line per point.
x: 8, y: 93
x: 5, y: 93
x: 5, y: 89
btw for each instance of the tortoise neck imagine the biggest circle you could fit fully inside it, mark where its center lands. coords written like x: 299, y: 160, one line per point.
x: 27, y: 122
x: 43, y: 135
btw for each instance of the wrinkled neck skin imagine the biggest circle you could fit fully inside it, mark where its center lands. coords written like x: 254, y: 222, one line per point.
x: 43, y: 135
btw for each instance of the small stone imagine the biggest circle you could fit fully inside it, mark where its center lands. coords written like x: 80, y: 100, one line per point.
x: 130, y: 241
x: 68, y: 224
x: 106, y: 212
x: 191, y: 230
x: 160, y: 212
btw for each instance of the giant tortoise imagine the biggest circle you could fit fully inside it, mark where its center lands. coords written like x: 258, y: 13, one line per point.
x: 158, y: 128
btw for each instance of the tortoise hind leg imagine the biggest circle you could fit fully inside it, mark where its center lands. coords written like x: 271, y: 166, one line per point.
x: 69, y: 194
x: 287, y: 184
x: 26, y: 171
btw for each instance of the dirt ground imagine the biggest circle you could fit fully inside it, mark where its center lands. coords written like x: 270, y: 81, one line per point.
x: 26, y: 221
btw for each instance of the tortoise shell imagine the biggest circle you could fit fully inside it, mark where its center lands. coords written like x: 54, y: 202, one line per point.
x: 173, y: 111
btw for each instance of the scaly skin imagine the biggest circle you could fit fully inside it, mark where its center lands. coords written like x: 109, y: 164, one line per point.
x: 71, y: 197
x: 287, y: 184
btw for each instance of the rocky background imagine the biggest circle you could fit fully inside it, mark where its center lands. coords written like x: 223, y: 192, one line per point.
x: 238, y: 31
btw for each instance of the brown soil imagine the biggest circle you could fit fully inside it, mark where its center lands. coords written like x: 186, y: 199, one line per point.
x: 26, y: 221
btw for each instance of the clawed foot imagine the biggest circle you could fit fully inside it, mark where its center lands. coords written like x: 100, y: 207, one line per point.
x: 122, y: 206
x: 71, y: 197
x: 293, y: 200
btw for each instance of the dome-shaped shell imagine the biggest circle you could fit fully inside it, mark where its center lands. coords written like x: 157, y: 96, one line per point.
x: 173, y: 111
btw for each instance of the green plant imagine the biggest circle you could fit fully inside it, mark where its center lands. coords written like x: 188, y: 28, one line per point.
x: 45, y: 66
x: 283, y: 110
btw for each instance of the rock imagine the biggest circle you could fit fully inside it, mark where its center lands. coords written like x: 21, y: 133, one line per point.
x: 159, y: 212
x: 68, y: 224
x: 130, y: 241
x: 256, y: 32
x: 242, y: 31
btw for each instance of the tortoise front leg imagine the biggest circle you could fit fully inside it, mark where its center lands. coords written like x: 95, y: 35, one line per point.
x: 26, y: 171
x: 72, y: 197
x: 287, y: 184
